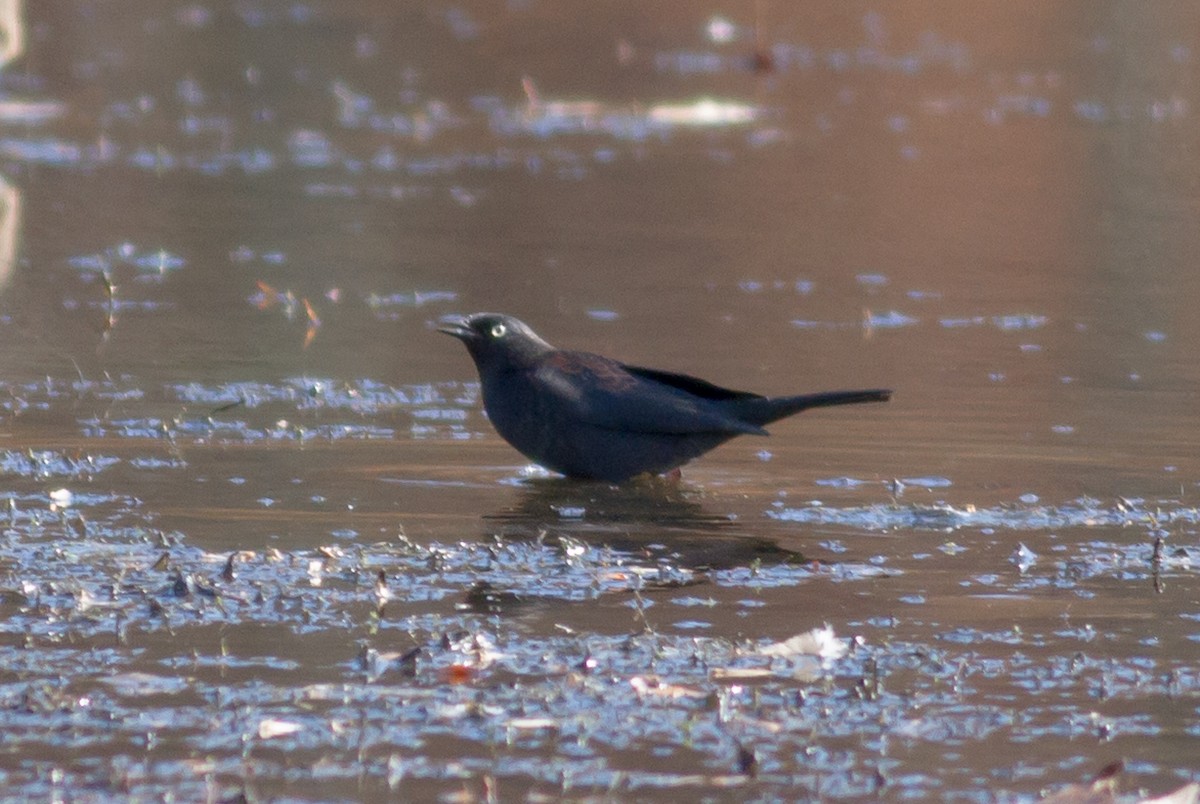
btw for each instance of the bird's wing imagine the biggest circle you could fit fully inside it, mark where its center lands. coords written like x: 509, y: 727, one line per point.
x: 691, y: 385
x: 604, y: 393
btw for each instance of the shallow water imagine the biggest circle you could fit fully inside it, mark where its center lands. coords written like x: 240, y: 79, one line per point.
x: 258, y: 538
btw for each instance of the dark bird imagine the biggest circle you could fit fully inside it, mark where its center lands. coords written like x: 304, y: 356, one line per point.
x: 587, y: 416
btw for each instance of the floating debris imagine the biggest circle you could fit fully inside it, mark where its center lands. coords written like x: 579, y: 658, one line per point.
x: 1081, y: 513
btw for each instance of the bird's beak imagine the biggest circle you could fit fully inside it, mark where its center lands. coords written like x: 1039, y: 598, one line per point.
x: 456, y: 326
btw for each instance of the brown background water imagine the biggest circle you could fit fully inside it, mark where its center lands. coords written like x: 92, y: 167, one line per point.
x: 991, y: 209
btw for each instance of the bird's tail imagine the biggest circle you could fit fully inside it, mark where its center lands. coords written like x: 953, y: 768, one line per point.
x: 765, y: 411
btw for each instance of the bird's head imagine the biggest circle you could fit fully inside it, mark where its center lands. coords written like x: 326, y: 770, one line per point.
x: 495, y: 341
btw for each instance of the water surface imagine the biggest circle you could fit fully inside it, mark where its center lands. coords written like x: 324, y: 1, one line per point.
x: 258, y: 537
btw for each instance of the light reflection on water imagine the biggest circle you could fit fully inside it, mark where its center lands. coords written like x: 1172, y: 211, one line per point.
x: 255, y: 530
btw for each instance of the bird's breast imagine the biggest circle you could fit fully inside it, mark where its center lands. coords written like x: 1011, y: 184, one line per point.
x: 511, y: 401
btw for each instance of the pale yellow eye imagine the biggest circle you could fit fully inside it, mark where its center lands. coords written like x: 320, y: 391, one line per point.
x: 498, y: 330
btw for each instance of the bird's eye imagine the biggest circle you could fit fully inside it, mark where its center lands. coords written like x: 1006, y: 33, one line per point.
x: 498, y: 330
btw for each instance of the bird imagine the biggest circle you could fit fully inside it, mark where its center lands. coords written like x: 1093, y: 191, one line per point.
x: 593, y: 418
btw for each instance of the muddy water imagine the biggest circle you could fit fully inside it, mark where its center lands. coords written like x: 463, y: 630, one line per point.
x: 259, y: 538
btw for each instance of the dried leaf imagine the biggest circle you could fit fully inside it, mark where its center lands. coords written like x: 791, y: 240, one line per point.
x: 277, y: 728
x: 819, y: 642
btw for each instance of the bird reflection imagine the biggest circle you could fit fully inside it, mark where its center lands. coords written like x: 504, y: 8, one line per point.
x: 656, y: 518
